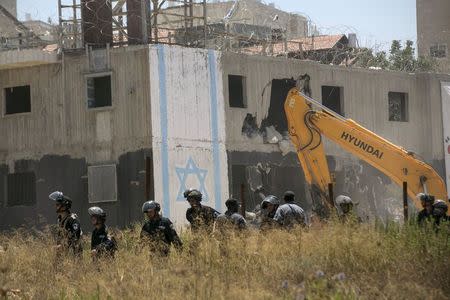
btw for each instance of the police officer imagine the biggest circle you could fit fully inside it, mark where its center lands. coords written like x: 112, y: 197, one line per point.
x: 290, y: 214
x: 102, y: 244
x: 231, y: 216
x: 269, y: 207
x: 158, y: 232
x: 69, y: 229
x: 439, y: 213
x: 198, y: 215
x: 344, y: 207
x: 427, y: 205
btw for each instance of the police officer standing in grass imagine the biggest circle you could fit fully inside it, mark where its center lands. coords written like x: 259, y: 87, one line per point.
x: 158, y: 232
x: 344, y: 206
x: 102, y: 244
x: 427, y: 204
x: 269, y: 207
x: 69, y: 229
x: 231, y: 217
x: 290, y: 214
x: 439, y: 213
x: 198, y: 215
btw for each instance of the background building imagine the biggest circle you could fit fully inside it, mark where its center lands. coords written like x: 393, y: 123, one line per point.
x: 433, y: 31
x: 17, y: 34
x: 10, y: 5
x: 223, y: 25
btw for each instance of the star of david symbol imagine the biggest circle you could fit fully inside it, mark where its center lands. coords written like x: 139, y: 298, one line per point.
x: 183, y: 175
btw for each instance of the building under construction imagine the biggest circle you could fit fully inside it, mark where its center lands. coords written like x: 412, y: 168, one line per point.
x: 195, y: 23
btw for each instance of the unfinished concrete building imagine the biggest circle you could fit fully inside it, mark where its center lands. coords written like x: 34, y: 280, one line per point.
x: 115, y: 126
x: 153, y: 120
x: 433, y: 31
x: 14, y: 33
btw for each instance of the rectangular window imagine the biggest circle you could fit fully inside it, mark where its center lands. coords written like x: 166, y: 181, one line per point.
x: 102, y: 183
x: 332, y: 97
x: 398, y: 107
x: 17, y: 100
x: 438, y: 50
x: 21, y: 189
x: 99, y: 91
x: 237, y: 91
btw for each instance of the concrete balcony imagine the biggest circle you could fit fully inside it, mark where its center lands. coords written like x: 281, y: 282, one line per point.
x: 18, y: 58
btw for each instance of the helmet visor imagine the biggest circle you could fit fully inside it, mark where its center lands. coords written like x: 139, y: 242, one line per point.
x: 56, y: 196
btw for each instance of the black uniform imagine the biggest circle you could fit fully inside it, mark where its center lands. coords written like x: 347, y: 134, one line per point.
x: 233, y: 219
x: 69, y: 234
x: 438, y: 220
x: 423, y: 216
x: 160, y: 234
x: 103, y: 242
x: 201, y: 217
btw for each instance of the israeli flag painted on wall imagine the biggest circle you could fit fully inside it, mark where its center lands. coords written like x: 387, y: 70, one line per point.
x: 188, y: 127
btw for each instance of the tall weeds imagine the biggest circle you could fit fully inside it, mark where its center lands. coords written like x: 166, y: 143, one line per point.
x: 334, y: 261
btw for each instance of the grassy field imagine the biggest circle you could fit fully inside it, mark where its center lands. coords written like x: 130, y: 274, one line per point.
x: 332, y: 261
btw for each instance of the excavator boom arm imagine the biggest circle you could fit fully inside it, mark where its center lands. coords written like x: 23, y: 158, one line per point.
x: 306, y: 127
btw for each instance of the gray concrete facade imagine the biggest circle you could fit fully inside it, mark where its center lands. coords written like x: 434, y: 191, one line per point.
x: 433, y: 29
x: 60, y: 138
x: 364, y: 99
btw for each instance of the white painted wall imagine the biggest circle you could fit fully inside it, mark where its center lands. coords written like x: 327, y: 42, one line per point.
x: 188, y: 127
x: 445, y: 94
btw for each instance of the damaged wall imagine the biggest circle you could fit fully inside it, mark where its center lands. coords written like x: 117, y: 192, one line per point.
x: 273, y: 172
x: 365, y: 99
x: 188, y: 127
x: 170, y: 107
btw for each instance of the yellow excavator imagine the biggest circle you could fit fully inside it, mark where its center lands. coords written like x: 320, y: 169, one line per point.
x: 308, y: 120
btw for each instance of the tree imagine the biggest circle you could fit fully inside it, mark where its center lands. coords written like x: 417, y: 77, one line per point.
x: 399, y: 59
x: 425, y: 64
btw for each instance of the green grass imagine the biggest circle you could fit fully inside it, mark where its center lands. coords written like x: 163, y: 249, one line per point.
x: 377, y: 263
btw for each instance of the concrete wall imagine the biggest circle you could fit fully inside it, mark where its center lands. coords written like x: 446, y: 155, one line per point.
x: 8, y: 28
x: 60, y: 119
x: 433, y: 26
x: 170, y: 105
x: 13, y: 59
x: 188, y: 127
x: 10, y: 5
x: 61, y: 137
x: 167, y: 105
x: 365, y: 99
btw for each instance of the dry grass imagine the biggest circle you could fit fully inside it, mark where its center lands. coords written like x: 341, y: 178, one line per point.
x: 384, y: 263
